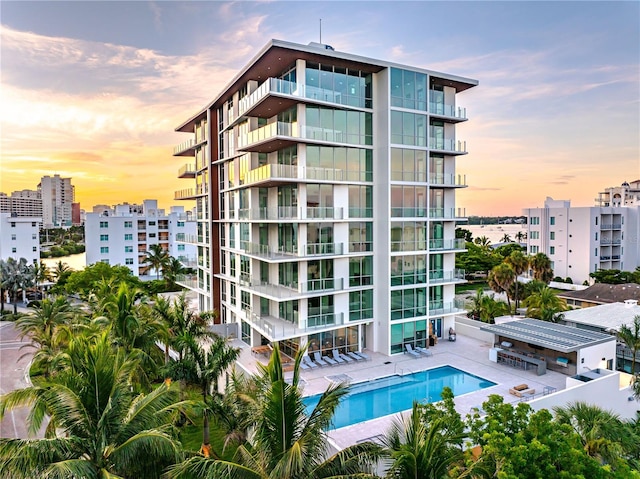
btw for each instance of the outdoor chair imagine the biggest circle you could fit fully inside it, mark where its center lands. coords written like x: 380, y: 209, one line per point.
x: 363, y: 355
x: 330, y: 361
x: 307, y: 360
x: 318, y: 360
x: 336, y: 357
x: 424, y: 351
x: 355, y: 356
x: 411, y: 351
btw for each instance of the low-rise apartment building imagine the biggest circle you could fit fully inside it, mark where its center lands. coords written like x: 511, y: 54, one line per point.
x: 20, y: 237
x: 123, y: 235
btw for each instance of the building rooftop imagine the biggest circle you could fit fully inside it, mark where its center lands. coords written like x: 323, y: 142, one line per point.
x: 605, y: 293
x: 607, y: 316
x: 548, y: 335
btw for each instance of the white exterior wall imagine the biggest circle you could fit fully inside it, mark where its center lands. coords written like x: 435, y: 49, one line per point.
x: 610, y: 392
x: 592, y: 357
x: 19, y: 237
x: 586, y: 238
x: 128, y: 236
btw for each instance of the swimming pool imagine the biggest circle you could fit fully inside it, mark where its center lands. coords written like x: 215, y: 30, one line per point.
x: 392, y: 394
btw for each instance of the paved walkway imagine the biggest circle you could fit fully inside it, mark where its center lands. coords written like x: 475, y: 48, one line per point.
x: 466, y: 353
x: 14, y: 361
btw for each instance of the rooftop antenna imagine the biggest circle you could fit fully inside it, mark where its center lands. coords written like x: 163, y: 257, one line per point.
x: 321, y: 30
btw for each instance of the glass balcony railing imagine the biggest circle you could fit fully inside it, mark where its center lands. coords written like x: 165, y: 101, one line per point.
x: 615, y: 226
x: 283, y: 87
x: 323, y: 320
x: 610, y: 242
x: 184, y: 146
x: 441, y: 276
x: 443, y: 144
x: 447, y: 213
x: 447, y: 179
x: 292, y: 172
x: 268, y: 132
x: 188, y: 281
x: 450, y: 111
x: 270, y: 172
x: 290, y: 213
x: 446, y: 244
x: 186, y: 238
x: 324, y: 249
x: 187, y: 171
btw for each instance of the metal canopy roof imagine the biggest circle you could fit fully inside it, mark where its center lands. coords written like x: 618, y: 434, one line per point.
x: 548, y: 335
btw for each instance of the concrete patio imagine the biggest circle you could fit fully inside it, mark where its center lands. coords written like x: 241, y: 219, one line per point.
x: 466, y: 353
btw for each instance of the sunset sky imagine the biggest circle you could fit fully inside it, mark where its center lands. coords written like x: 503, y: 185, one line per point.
x: 94, y: 90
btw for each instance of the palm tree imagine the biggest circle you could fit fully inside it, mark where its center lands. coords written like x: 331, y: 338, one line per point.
x: 483, y: 242
x: 157, y: 257
x: 602, y: 432
x: 172, y: 269
x: 545, y: 305
x: 44, y: 319
x: 97, y: 426
x: 60, y: 270
x: 630, y: 336
x: 491, y: 308
x: 506, y: 238
x: 519, y: 263
x: 18, y: 276
x: 41, y: 273
x: 501, y: 278
x: 3, y: 277
x: 521, y: 236
x: 541, y: 266
x: 421, y: 450
x: 283, y: 441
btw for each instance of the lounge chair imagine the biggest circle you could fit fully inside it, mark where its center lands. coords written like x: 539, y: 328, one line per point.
x: 355, y: 356
x: 307, y: 360
x: 346, y: 357
x: 331, y: 361
x: 424, y: 351
x: 303, y: 365
x: 521, y: 390
x: 363, y: 355
x: 336, y: 357
x: 318, y: 360
x: 410, y: 350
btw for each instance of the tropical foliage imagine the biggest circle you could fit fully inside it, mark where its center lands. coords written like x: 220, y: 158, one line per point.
x: 545, y: 305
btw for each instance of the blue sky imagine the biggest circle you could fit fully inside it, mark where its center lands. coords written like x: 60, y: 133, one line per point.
x: 93, y: 90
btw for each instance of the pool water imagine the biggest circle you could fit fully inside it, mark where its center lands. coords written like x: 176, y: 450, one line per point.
x: 392, y: 394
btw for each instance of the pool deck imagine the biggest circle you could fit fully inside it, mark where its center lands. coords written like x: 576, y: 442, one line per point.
x: 466, y: 353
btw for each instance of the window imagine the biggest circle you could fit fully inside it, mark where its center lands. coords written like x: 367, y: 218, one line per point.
x: 34, y: 249
x: 152, y: 223
x: 128, y: 237
x: 552, y: 250
x: 552, y: 220
x: 104, y: 237
x: 13, y: 237
x: 104, y: 261
x: 128, y: 261
x: 596, y: 236
x: 535, y: 220
x: 180, y: 224
x: 14, y: 250
x: 245, y: 300
x: 360, y: 305
x: 104, y: 249
x: 552, y: 235
x: 181, y: 247
x: 13, y: 224
x: 34, y: 236
x: 152, y: 235
x: 104, y: 224
x: 33, y: 224
x: 361, y: 271
x: 128, y: 249
x: 533, y: 249
x: 596, y: 252
x: 534, y: 235
x: 596, y: 221
x: 128, y: 224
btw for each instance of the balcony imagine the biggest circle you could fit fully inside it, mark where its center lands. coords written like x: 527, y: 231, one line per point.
x: 448, y: 146
x: 610, y: 242
x: 280, y: 292
x: 270, y: 175
x: 449, y: 112
x: 276, y: 95
x: 282, y: 253
x: 185, y: 238
x: 188, y: 261
x: 187, y: 171
x: 447, y: 244
x: 448, y: 180
x: 190, y: 193
x: 447, y: 213
x: 440, y: 307
x: 186, y: 148
x: 615, y: 226
x: 189, y: 281
x: 612, y: 257
x: 282, y: 213
x: 440, y: 276
x: 274, y: 328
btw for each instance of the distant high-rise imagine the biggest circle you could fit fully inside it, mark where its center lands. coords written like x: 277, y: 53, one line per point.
x: 21, y: 203
x: 57, y: 199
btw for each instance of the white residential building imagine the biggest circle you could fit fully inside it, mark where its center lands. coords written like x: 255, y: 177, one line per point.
x: 19, y: 237
x: 325, y: 188
x: 57, y: 198
x: 581, y: 240
x: 123, y: 234
x: 22, y: 203
x: 627, y: 194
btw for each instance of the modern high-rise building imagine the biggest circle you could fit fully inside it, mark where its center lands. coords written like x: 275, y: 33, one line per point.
x: 581, y: 240
x: 325, y: 189
x: 57, y: 198
x: 22, y: 203
x: 123, y: 235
